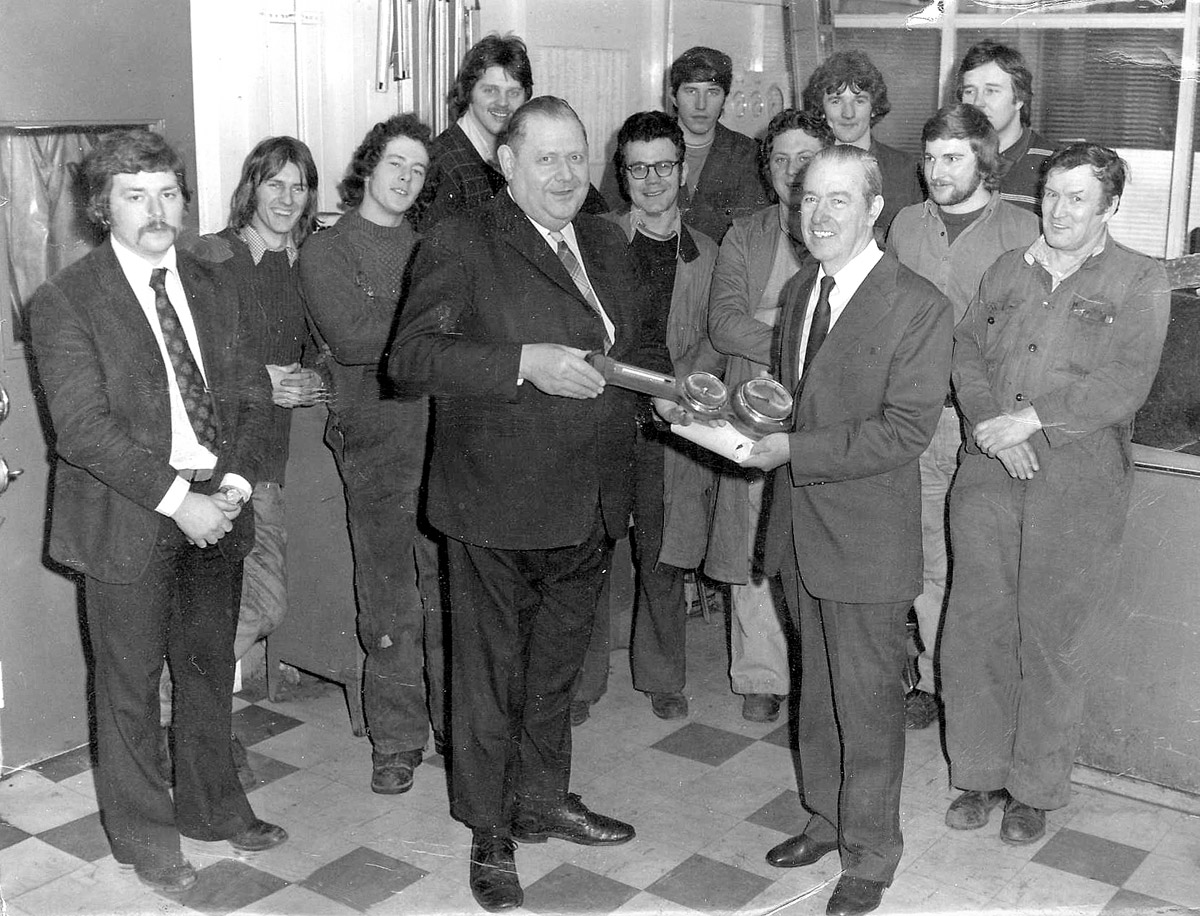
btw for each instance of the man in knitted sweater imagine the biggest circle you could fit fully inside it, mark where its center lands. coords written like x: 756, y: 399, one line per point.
x: 352, y: 277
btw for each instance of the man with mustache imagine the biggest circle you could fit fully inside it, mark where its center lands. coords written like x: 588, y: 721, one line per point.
x: 160, y: 422
x: 950, y: 240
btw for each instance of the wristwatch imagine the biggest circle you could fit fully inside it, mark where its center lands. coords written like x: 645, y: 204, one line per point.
x: 233, y: 494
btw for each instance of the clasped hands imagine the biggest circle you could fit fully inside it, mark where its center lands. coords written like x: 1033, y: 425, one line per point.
x: 293, y: 386
x: 1005, y: 438
x: 206, y: 518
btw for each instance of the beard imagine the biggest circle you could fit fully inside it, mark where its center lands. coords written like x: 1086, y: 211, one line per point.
x: 952, y: 194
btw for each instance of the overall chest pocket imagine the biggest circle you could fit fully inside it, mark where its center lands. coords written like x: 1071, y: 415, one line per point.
x: 1087, y: 335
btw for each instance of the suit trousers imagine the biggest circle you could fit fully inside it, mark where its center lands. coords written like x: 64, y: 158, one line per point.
x: 851, y: 725
x: 380, y: 451
x: 182, y: 608
x: 520, y: 623
x: 1035, y: 563
x: 758, y: 642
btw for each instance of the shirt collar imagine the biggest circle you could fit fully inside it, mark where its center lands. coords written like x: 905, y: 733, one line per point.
x: 1039, y: 253
x: 479, y: 138
x: 932, y: 209
x: 136, y: 268
x: 851, y: 276
x: 258, y: 245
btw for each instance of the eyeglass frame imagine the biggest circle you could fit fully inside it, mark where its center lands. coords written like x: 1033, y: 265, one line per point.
x: 673, y: 163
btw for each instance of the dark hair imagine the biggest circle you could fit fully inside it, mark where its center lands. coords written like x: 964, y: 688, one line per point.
x: 645, y: 127
x: 549, y: 106
x: 127, y: 152
x: 966, y: 122
x: 1007, y: 59
x: 812, y: 123
x: 1110, y: 169
x: 842, y: 153
x: 268, y: 158
x: 370, y: 151
x: 702, y: 65
x: 507, y: 51
x: 844, y: 70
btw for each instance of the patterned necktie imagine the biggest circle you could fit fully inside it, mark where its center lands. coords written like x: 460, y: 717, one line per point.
x: 820, y: 324
x: 571, y: 263
x: 196, y: 397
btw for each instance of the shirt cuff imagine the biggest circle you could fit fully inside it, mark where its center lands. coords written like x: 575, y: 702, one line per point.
x: 173, y: 498
x: 238, y: 481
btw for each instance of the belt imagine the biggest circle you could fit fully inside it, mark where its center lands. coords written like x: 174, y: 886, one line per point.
x: 195, y: 475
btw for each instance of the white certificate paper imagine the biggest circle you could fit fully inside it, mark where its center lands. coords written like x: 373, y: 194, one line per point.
x: 724, y: 440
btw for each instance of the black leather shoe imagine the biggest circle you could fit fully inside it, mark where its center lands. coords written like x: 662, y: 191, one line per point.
x: 920, y: 709
x: 494, y: 882
x: 1022, y: 823
x: 669, y: 705
x: 799, y: 850
x: 971, y: 810
x: 853, y: 896
x: 392, y: 774
x: 570, y: 821
x: 259, y: 836
x: 167, y: 879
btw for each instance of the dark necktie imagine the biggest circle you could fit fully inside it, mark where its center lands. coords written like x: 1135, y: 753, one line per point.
x: 575, y: 269
x: 196, y: 398
x: 820, y: 324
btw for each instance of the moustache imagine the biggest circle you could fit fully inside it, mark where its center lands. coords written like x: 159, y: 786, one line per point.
x: 157, y: 225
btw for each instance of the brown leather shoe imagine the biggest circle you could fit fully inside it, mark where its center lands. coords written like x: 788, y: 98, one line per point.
x: 259, y: 836
x: 855, y: 896
x: 971, y: 810
x: 799, y: 851
x: 1022, y: 823
x: 494, y: 881
x: 571, y: 821
x: 392, y: 774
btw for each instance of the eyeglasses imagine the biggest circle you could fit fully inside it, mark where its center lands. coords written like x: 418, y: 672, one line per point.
x: 640, y: 170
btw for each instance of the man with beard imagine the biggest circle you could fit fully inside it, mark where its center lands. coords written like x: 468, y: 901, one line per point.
x: 951, y: 239
x: 160, y: 422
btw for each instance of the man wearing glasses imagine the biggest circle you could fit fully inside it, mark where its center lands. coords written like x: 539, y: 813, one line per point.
x: 674, y: 264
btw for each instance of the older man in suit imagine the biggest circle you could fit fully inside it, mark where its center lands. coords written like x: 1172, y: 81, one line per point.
x: 865, y: 345
x: 530, y: 476
x: 160, y: 423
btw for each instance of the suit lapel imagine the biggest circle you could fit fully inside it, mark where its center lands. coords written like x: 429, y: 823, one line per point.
x: 799, y: 290
x: 517, y: 231
x: 868, y: 306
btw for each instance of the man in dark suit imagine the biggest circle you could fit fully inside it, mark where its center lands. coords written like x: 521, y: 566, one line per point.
x: 865, y: 345
x: 724, y: 181
x: 530, y: 475
x: 159, y: 424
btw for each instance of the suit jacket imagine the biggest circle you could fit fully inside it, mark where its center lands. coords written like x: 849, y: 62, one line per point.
x: 847, y: 507
x: 729, y: 186
x: 511, y: 467
x: 105, y: 385
x: 901, y: 183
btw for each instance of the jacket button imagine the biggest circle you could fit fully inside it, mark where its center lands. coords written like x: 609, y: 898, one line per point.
x: 1033, y: 348
x: 991, y: 319
x: 1020, y: 397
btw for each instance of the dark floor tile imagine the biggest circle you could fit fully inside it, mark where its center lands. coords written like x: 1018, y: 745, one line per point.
x: 229, y: 885
x: 781, y: 735
x: 709, y: 886
x: 1090, y: 856
x: 783, y: 813
x: 571, y: 889
x: 83, y: 838
x: 10, y: 835
x: 362, y: 878
x: 703, y: 743
x: 1131, y: 903
x: 267, y: 769
x: 253, y: 724
x: 65, y: 765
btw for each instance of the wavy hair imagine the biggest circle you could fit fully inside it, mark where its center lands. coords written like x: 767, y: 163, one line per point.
x: 266, y: 160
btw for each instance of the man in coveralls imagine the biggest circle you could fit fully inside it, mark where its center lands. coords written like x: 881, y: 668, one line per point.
x: 1051, y: 362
